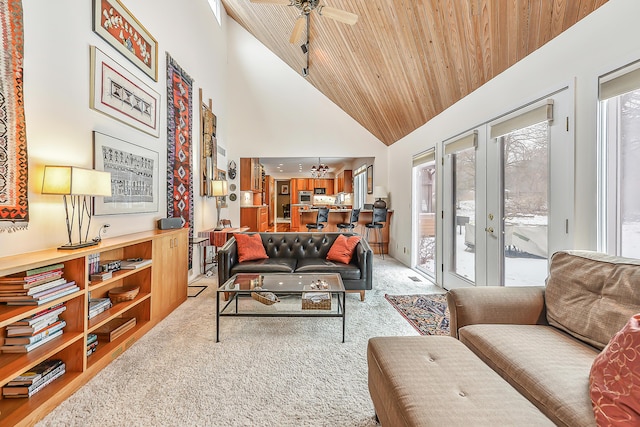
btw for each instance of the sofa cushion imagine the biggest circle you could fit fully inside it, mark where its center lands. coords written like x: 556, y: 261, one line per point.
x: 549, y: 367
x: 250, y: 247
x: 600, y: 289
x: 343, y: 248
x: 437, y: 381
x: 614, y: 383
x: 321, y: 265
x: 270, y: 265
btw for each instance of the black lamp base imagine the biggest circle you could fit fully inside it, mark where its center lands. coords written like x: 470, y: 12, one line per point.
x: 72, y: 246
x: 380, y: 204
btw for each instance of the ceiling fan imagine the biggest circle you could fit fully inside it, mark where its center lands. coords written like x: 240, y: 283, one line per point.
x: 305, y: 7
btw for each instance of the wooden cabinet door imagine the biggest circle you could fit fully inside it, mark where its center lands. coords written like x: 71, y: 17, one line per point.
x: 348, y: 181
x: 169, y: 273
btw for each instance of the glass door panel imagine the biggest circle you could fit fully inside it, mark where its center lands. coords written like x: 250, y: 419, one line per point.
x: 424, y: 178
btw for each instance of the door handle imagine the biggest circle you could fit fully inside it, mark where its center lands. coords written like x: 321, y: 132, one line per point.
x: 489, y: 230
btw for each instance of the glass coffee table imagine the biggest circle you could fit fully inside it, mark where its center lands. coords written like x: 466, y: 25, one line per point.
x: 302, y: 296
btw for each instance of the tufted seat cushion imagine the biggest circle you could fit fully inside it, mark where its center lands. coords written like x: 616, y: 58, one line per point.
x: 270, y: 265
x: 438, y: 381
x: 319, y: 265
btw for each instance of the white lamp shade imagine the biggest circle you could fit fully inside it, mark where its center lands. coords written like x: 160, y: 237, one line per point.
x: 219, y: 188
x: 71, y: 180
x: 380, y: 192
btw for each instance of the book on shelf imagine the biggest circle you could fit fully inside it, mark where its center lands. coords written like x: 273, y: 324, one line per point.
x: 18, y: 283
x: 44, y: 299
x: 91, y: 338
x: 98, y: 305
x: 35, y: 374
x: 28, y: 391
x: 132, y: 264
x: 44, y: 269
x: 28, y: 347
x: 115, y: 328
x: 38, y: 292
x: 35, y: 325
x: 25, y: 340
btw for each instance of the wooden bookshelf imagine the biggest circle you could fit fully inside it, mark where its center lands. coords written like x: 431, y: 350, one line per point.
x: 163, y: 286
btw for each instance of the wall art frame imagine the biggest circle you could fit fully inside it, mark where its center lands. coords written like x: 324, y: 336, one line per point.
x: 117, y: 26
x: 134, y: 176
x: 208, y: 146
x: 370, y: 179
x: 120, y: 95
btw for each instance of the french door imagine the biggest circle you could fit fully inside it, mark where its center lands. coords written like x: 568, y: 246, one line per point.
x: 508, y: 196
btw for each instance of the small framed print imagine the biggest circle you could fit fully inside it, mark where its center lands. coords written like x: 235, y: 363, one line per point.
x: 134, y: 176
x: 370, y: 179
x: 118, y: 27
x: 284, y: 190
x: 122, y: 96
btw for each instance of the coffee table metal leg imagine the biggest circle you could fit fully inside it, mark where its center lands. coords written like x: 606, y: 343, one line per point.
x: 217, y: 316
x: 344, y: 315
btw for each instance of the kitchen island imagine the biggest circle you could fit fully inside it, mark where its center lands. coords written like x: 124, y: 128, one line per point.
x: 337, y: 216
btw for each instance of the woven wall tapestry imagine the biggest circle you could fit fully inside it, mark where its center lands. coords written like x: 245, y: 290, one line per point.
x: 179, y: 151
x: 14, y: 212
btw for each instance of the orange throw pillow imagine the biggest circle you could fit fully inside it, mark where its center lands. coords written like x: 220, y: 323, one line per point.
x: 342, y: 249
x: 614, y: 381
x: 250, y: 247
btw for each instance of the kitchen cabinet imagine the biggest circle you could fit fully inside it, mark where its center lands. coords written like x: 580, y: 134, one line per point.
x: 344, y: 182
x: 255, y: 217
x: 251, y: 172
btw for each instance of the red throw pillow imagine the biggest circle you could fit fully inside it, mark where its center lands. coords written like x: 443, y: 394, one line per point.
x: 614, y: 381
x: 342, y: 249
x: 250, y: 247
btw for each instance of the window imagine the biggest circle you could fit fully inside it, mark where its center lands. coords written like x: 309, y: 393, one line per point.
x: 619, y: 112
x: 216, y: 8
x: 359, y: 187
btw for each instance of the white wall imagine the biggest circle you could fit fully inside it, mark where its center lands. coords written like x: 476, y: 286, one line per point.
x: 603, y: 41
x: 274, y: 112
x: 60, y: 123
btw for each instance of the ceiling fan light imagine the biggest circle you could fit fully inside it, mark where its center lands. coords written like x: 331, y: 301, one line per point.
x: 338, y: 14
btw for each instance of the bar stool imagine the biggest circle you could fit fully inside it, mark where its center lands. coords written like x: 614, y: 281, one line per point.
x: 377, y: 222
x: 323, y: 217
x: 353, y: 220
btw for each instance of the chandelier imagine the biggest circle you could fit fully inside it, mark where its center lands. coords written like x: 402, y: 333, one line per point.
x: 320, y: 170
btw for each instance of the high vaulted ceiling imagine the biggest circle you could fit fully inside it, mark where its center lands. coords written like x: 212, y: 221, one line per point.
x: 405, y: 61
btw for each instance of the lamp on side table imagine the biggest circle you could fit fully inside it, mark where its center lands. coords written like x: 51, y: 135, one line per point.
x: 218, y: 189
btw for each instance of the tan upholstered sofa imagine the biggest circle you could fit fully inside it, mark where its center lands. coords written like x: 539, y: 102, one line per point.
x: 523, y: 355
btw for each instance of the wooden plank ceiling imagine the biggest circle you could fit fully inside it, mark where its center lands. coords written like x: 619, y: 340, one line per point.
x: 405, y: 61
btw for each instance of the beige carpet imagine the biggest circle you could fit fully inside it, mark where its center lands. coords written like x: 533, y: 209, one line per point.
x: 264, y: 372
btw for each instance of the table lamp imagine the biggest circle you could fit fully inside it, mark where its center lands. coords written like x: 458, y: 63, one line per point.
x: 218, y: 189
x: 77, y: 186
x: 380, y: 193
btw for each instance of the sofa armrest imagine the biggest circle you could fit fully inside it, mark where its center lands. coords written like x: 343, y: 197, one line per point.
x: 497, y: 305
x: 364, y: 257
x: 227, y: 258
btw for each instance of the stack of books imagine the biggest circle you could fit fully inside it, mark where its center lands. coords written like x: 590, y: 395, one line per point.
x: 98, y: 305
x: 35, y: 287
x: 31, y: 332
x: 31, y: 382
x: 92, y: 343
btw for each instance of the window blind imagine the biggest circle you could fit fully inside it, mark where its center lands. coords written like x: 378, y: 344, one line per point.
x: 424, y: 157
x: 530, y: 117
x: 616, y: 86
x: 460, y: 144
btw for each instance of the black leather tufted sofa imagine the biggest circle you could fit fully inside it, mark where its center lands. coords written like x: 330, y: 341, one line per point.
x: 301, y: 253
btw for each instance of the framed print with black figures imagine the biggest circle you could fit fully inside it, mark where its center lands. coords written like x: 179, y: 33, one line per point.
x: 134, y: 176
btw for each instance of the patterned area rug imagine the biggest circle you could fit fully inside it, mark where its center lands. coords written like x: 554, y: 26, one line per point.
x: 14, y: 212
x: 427, y: 313
x: 179, y: 151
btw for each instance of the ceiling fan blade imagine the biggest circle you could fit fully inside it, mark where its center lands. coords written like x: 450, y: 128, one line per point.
x: 282, y: 2
x: 297, y: 30
x: 338, y: 14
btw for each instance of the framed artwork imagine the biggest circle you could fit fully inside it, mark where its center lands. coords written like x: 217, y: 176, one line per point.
x: 122, y: 96
x: 118, y: 27
x: 134, y: 176
x: 284, y: 189
x: 370, y: 179
x: 222, y: 176
x: 208, y: 146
